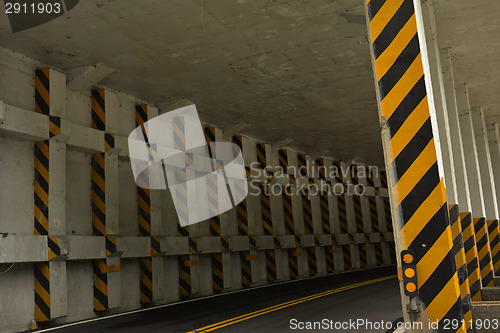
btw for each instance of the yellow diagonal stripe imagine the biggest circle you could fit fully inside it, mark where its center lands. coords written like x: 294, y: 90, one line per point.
x: 383, y: 16
x: 436, y: 254
x: 392, y: 52
x: 415, y: 172
x: 402, y: 88
x: 409, y: 128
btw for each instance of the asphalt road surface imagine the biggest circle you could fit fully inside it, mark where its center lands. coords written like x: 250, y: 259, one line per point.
x: 350, y: 302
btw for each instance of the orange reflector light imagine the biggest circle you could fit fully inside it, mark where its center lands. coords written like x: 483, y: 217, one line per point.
x: 408, y: 258
x: 411, y: 287
x: 409, y: 272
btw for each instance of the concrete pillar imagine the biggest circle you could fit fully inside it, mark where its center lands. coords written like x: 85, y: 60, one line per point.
x: 470, y: 152
x: 462, y: 183
x: 485, y: 166
x: 402, y: 46
x: 493, y: 142
x: 440, y: 102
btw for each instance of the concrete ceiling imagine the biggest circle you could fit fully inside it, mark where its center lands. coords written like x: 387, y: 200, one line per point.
x: 298, y: 69
x: 471, y: 29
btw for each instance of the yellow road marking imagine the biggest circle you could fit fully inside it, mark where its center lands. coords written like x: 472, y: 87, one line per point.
x: 261, y: 312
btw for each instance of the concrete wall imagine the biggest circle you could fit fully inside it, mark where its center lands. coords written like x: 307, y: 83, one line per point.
x: 72, y: 279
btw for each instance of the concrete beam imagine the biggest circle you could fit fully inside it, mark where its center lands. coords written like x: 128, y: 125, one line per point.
x: 85, y: 78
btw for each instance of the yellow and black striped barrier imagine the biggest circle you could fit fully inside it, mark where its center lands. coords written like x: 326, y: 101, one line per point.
x: 307, y: 212
x: 417, y: 190
x: 311, y: 260
x: 341, y: 204
x: 346, y: 254
x: 217, y: 272
x: 42, y: 291
x: 144, y: 210
x: 474, y: 275
x: 98, y: 190
x: 246, y: 269
x: 494, y: 236
x: 483, y: 252
x: 461, y: 262
x: 42, y: 91
x: 41, y: 198
x: 354, y: 174
x: 184, y: 265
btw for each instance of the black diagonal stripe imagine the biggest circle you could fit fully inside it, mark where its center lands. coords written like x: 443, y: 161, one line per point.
x: 492, y: 226
x: 454, y: 313
x: 97, y: 168
x: 420, y: 192
x: 475, y: 288
x: 98, y: 191
x: 44, y: 308
x: 41, y: 205
x: 429, y: 234
x: 472, y: 266
x: 44, y: 282
x: 110, y: 246
x: 486, y: 280
x: 41, y: 181
x: 144, y: 196
x: 405, y: 108
x: 466, y: 221
x: 413, y: 149
x: 283, y: 158
x: 44, y: 107
x: 145, y: 270
x: 142, y: 114
x: 454, y: 215
x: 102, y: 298
x: 479, y: 224
x: 40, y: 229
x: 481, y: 243
x: 44, y: 160
x: 399, y: 68
x: 210, y: 135
x: 44, y: 80
x: 54, y: 247
x: 216, y: 262
x: 438, y: 280
x: 238, y: 142
x: 110, y: 140
x: 393, y: 27
x: 373, y: 7
x: 142, y: 231
x: 98, y: 98
x: 146, y: 291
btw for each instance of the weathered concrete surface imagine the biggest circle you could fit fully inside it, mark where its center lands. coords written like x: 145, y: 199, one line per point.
x: 282, y: 66
x: 485, y: 312
x: 470, y: 30
x: 491, y: 294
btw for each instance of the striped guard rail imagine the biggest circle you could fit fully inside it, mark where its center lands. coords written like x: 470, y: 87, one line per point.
x: 418, y: 191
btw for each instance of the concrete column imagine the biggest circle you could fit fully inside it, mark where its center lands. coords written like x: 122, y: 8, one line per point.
x: 441, y: 103
x: 403, y: 58
x: 485, y: 166
x: 462, y: 183
x: 470, y: 152
x: 494, y: 143
x: 57, y: 191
